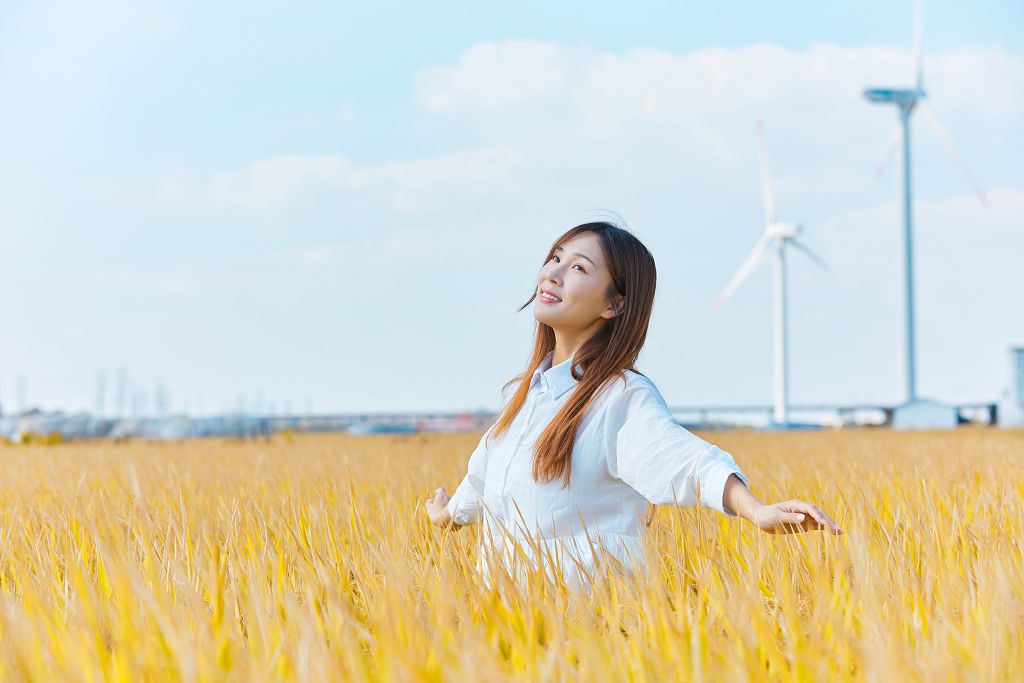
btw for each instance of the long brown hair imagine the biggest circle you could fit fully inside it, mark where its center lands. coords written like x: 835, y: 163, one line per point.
x: 602, y: 358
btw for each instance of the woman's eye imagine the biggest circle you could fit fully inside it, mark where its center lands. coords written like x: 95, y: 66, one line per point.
x: 582, y: 269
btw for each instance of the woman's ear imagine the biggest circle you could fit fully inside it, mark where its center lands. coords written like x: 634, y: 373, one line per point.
x: 616, y: 308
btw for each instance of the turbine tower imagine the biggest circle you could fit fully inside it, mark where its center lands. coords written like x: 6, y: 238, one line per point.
x: 907, y: 100
x: 777, y: 236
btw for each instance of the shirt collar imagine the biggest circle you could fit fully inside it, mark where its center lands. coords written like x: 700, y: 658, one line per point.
x: 557, y: 379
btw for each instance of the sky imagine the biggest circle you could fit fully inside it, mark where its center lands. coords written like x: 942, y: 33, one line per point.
x: 341, y: 206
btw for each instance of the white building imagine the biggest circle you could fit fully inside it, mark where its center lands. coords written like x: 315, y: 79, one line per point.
x: 924, y: 414
x: 1011, y: 403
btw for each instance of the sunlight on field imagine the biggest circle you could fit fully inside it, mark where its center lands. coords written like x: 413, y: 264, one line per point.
x: 308, y: 559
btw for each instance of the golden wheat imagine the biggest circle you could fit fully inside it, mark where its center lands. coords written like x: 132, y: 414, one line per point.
x: 311, y: 559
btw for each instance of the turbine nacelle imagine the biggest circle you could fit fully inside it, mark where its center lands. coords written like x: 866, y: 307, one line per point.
x: 907, y: 97
x: 782, y: 230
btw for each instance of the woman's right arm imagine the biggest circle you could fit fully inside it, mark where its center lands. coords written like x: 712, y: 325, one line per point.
x: 464, y: 507
x: 437, y: 510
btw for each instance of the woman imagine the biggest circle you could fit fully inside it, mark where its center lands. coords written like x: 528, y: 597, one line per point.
x: 587, y: 441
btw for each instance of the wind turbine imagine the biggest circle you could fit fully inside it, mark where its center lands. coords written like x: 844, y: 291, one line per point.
x: 907, y: 100
x: 777, y: 235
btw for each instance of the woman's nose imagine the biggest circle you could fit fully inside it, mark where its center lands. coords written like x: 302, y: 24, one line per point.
x: 552, y: 274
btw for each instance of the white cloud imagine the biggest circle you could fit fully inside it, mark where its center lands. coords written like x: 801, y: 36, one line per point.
x: 541, y: 114
x: 652, y: 85
x: 271, y: 182
x: 698, y: 99
x: 287, y: 180
x: 416, y: 181
x: 458, y: 167
x: 985, y: 80
x: 495, y: 74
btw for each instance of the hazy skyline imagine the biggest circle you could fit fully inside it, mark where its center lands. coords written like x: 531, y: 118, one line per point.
x: 347, y: 204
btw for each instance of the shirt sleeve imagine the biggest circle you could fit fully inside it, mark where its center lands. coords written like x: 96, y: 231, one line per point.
x: 465, y: 504
x: 660, y: 459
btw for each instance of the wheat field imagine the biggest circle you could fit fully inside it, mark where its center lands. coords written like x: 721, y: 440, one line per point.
x: 310, y: 558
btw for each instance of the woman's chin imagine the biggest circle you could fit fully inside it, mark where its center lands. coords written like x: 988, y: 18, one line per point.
x: 541, y: 316
x: 549, y: 320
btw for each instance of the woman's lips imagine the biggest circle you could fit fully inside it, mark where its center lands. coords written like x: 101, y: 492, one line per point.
x: 543, y: 298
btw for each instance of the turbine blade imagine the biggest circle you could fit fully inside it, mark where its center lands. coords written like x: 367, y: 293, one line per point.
x: 918, y: 40
x: 890, y: 150
x: 810, y: 254
x: 745, y: 269
x: 947, y: 142
x: 766, y: 181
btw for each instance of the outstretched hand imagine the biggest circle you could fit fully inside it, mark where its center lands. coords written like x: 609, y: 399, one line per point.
x: 437, y: 509
x: 793, y: 516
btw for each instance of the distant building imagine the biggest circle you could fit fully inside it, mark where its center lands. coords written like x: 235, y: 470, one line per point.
x: 925, y: 414
x: 1011, y: 407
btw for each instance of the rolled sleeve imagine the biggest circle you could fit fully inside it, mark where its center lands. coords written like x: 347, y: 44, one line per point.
x: 713, y: 487
x: 661, y: 459
x: 464, y: 506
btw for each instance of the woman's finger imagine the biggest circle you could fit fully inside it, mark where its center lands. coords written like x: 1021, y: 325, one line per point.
x: 835, y: 527
x: 810, y: 510
x: 820, y: 516
x: 793, y: 517
x: 817, y: 514
x: 829, y: 522
x: 824, y: 519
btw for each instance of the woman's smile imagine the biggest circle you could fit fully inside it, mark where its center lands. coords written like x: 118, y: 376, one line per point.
x: 548, y: 298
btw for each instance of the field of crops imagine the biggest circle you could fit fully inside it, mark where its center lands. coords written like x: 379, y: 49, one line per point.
x: 310, y: 558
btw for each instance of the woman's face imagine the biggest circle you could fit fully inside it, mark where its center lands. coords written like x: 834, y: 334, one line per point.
x: 577, y: 275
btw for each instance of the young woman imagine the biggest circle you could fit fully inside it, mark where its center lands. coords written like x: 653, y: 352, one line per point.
x: 587, y: 441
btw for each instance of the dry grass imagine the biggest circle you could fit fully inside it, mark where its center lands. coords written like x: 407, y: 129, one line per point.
x: 308, y: 559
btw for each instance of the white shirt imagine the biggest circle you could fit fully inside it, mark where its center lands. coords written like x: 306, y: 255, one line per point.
x: 628, y: 451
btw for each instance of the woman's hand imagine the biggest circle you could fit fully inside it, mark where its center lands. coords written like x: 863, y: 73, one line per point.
x: 789, y: 517
x: 792, y: 516
x: 437, y: 510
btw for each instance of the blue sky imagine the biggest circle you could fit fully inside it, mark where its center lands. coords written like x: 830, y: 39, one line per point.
x: 344, y: 203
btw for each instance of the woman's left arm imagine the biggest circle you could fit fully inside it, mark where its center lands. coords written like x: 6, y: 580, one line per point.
x: 788, y: 517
